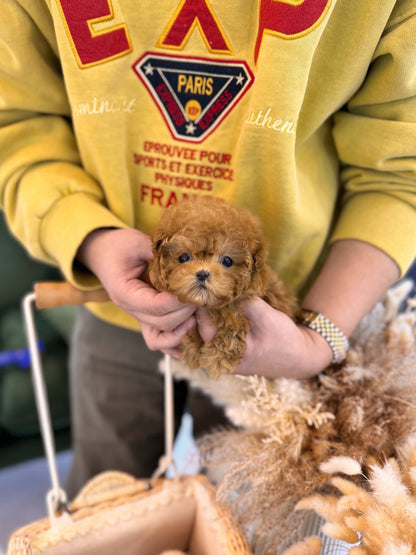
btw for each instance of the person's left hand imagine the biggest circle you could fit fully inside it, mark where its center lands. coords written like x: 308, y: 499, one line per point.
x: 276, y: 346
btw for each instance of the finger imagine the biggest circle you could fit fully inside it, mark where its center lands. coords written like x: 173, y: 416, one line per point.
x: 162, y: 311
x: 261, y: 316
x: 254, y: 308
x: 155, y: 303
x: 165, y: 304
x: 206, y: 328
x: 142, y: 297
x: 159, y: 340
x: 257, y: 307
x: 168, y: 322
x: 175, y: 353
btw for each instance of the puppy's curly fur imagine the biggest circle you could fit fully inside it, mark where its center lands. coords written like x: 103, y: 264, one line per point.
x: 211, y: 254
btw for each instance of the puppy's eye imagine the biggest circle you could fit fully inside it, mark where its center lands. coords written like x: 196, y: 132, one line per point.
x: 185, y: 257
x: 226, y: 261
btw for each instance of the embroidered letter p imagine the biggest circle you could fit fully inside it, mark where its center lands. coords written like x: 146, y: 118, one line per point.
x: 289, y: 19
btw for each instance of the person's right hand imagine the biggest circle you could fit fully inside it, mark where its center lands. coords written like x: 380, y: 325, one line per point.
x: 119, y: 257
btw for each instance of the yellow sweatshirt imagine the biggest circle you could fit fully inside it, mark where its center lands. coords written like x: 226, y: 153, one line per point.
x: 303, y: 111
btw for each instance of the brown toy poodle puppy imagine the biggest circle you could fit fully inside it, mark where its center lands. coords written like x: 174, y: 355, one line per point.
x: 211, y: 254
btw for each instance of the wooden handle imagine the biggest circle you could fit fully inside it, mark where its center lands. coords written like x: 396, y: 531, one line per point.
x: 54, y: 293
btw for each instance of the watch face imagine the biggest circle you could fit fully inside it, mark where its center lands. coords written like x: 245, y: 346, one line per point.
x: 308, y: 316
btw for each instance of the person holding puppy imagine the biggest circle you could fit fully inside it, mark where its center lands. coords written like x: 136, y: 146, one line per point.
x: 302, y: 112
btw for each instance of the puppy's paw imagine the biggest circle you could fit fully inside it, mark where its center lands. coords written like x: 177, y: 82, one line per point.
x: 223, y: 354
x: 191, y: 349
x: 217, y: 365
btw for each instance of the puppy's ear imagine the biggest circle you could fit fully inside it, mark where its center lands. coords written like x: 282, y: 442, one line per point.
x: 157, y: 269
x: 159, y: 240
x: 259, y: 271
x: 259, y: 257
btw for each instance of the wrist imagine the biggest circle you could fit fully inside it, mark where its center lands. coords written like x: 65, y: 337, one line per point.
x: 318, y: 354
x: 86, y: 250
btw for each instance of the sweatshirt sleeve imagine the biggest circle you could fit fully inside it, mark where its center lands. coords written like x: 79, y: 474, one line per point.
x: 375, y: 137
x: 49, y: 201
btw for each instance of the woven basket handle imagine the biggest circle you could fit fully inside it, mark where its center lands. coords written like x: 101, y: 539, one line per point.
x: 48, y: 295
x: 51, y: 293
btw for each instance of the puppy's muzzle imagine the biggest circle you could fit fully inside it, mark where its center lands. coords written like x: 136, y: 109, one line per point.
x: 202, y: 276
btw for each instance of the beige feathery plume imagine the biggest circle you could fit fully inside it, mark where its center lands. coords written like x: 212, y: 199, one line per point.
x: 381, y: 512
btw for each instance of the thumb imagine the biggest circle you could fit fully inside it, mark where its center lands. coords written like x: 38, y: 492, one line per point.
x: 257, y: 310
x: 252, y: 308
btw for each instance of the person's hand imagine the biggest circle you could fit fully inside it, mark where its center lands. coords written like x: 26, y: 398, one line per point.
x: 354, y: 276
x: 119, y: 257
x: 276, y: 346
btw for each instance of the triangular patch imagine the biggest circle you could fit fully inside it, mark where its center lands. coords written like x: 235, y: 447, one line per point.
x: 193, y: 94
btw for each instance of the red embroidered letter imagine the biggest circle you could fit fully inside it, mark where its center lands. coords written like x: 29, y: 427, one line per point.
x: 290, y: 18
x: 189, y: 14
x: 93, y: 47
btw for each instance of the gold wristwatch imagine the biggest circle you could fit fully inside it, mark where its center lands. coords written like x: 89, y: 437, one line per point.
x: 330, y: 332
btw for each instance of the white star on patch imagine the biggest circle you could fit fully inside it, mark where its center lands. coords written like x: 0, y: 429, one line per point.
x: 148, y: 69
x: 190, y: 128
x: 240, y: 79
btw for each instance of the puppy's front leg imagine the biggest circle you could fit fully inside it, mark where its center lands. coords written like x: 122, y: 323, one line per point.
x: 225, y: 351
x: 191, y: 349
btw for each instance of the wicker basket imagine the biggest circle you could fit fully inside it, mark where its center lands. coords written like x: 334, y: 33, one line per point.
x: 115, y: 513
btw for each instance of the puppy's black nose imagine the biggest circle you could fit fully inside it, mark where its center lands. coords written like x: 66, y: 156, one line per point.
x: 202, y: 275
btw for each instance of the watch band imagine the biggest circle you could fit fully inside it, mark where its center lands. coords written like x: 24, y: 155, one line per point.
x: 335, y: 338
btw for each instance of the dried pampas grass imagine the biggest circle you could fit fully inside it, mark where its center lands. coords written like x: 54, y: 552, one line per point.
x: 382, y: 513
x: 285, y: 429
